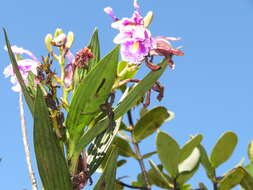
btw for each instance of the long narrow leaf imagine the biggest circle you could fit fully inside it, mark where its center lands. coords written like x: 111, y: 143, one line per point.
x: 135, y: 94
x: 28, y: 98
x: 50, y: 159
x: 107, y: 180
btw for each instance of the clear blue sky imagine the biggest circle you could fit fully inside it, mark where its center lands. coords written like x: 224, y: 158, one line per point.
x: 211, y: 90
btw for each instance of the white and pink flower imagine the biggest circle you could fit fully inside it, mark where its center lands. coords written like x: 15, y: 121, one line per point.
x: 25, y: 66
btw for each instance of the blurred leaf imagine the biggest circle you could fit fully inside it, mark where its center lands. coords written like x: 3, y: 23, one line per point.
x: 124, y: 148
x: 127, y: 102
x: 249, y: 169
x: 126, y: 71
x: 108, y: 178
x: 191, y: 162
x: 223, y: 149
x: 51, y: 163
x: 202, y: 186
x: 189, y: 147
x: 168, y: 151
x: 247, y: 181
x: 231, y: 179
x: 186, y: 187
x: 158, y: 178
x: 28, y: 96
x: 118, y: 186
x: 150, y: 122
x: 145, y: 156
x: 204, y: 159
x: 250, y: 151
x: 90, y: 94
x: 143, y: 111
x: 121, y: 163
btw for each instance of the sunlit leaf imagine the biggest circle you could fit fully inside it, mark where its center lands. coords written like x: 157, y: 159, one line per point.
x: 189, y: 147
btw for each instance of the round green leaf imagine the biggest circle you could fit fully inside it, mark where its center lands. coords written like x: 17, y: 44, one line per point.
x: 168, y: 151
x: 223, y: 149
x: 150, y: 122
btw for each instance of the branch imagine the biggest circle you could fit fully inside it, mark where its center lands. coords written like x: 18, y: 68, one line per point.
x: 26, y: 144
x: 131, y: 186
x: 138, y: 154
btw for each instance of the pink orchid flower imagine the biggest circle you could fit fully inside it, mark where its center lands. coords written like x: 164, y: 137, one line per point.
x: 25, y: 66
x: 134, y: 38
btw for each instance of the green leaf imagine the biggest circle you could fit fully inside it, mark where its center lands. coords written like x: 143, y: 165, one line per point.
x: 189, y: 147
x: 249, y: 169
x: 127, y: 102
x: 202, y: 186
x: 158, y: 178
x: 168, y: 151
x: 223, y: 149
x: 231, y: 179
x: 51, y: 163
x: 247, y: 181
x: 205, y: 162
x: 90, y: 94
x: 99, y: 147
x: 121, y: 163
x: 250, y: 151
x: 150, y: 122
x: 95, y: 49
x: 28, y: 96
x: 145, y: 156
x: 124, y: 147
x: 108, y: 178
x: 190, y: 162
x: 126, y: 71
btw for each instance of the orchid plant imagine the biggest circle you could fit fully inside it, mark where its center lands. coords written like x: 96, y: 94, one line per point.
x: 78, y: 123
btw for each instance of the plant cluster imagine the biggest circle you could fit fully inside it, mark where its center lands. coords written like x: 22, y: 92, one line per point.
x: 78, y: 109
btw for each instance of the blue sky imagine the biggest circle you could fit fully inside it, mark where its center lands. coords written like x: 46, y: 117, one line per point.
x: 210, y: 90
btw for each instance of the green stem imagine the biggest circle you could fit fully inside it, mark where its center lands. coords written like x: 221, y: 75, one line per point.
x: 138, y: 154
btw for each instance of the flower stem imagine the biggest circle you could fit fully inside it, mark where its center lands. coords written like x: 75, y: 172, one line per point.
x: 26, y: 144
x: 138, y: 154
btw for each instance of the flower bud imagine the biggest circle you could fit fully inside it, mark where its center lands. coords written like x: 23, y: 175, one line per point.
x: 70, y: 40
x: 48, y: 40
x: 60, y: 40
x: 57, y: 32
x: 148, y: 19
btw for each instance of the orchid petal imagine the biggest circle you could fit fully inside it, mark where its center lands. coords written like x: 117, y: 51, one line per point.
x: 109, y: 11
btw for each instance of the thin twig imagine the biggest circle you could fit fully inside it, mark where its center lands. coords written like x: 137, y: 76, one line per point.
x: 131, y: 186
x: 26, y: 144
x: 138, y: 154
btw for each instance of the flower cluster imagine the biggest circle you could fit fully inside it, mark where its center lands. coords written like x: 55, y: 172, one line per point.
x: 136, y: 40
x: 25, y: 66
